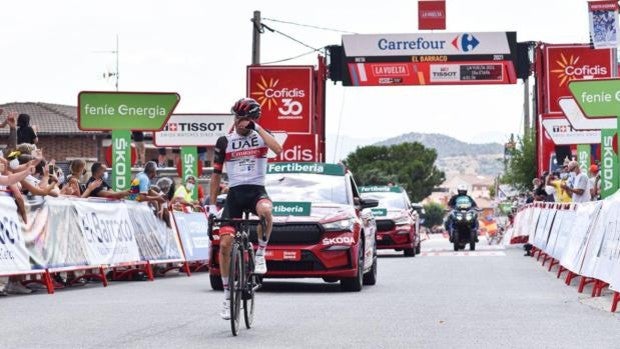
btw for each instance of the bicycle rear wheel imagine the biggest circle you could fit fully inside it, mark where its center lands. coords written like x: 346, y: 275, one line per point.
x: 248, y: 299
x: 236, y: 288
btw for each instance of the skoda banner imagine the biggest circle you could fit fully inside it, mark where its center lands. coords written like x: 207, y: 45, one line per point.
x: 121, y: 159
x: 286, y: 96
x: 609, y: 162
x: 189, y: 162
x: 583, y: 157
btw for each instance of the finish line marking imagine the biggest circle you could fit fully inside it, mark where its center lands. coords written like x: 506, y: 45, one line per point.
x: 464, y: 254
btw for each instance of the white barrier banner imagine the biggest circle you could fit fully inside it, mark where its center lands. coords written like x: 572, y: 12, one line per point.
x: 568, y: 219
x: 156, y: 241
x: 107, y: 230
x: 13, y: 253
x: 52, y: 233
x: 558, y: 222
x: 579, y: 234
x: 606, y: 253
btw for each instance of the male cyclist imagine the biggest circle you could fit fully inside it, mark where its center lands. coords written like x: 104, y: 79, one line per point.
x: 244, y: 151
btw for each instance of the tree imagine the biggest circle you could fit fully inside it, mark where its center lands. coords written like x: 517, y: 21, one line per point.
x: 433, y: 215
x: 521, y: 167
x: 409, y: 165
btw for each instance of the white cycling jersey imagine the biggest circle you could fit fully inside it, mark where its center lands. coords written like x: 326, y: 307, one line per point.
x: 245, y: 158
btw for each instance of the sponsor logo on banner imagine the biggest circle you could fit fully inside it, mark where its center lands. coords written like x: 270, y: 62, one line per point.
x: 307, y: 167
x: 291, y: 208
x: 193, y: 130
x: 583, y: 157
x: 285, y: 94
x: 566, y: 63
x: 603, y: 17
x: 298, y: 148
x: 14, y: 256
x: 562, y: 133
x: 192, y: 228
x: 449, y: 72
x: 121, y: 159
x: 609, y: 162
x: 365, y: 45
x: 384, y: 70
x: 431, y: 15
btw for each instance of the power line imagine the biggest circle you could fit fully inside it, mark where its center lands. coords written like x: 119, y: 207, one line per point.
x: 294, y: 57
x: 309, y: 26
x: 288, y: 37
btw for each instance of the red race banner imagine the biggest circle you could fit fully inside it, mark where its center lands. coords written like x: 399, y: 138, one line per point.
x: 431, y: 14
x: 286, y: 95
x: 299, y: 148
x: 425, y: 73
x: 566, y: 63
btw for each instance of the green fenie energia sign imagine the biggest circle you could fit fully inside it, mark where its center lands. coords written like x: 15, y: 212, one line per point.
x: 145, y: 111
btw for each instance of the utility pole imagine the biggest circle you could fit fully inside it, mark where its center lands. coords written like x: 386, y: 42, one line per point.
x: 256, y: 31
x: 526, y: 107
x: 116, y: 84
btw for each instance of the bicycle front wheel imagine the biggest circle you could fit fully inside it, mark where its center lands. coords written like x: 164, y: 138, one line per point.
x: 250, y: 284
x: 235, y: 282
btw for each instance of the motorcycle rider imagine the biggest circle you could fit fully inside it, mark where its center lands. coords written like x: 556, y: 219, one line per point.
x: 461, y: 194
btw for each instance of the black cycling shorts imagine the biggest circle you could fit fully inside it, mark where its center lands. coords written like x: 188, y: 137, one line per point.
x: 243, y: 197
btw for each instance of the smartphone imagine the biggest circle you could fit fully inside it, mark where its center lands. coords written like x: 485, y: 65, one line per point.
x: 51, y: 169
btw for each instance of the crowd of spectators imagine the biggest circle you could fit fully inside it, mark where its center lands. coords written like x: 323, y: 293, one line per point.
x: 25, y: 172
x: 568, y: 184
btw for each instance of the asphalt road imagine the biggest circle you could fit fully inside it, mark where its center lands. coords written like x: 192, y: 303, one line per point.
x: 492, y: 298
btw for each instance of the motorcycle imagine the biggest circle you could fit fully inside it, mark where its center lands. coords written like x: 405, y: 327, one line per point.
x: 463, y: 229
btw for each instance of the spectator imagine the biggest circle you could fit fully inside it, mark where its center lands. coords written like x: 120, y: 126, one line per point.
x: 102, y: 188
x: 539, y: 191
x: 166, y: 185
x: 161, y: 157
x: 555, y: 181
x: 25, y: 133
x: 138, y: 139
x: 183, y: 194
x: 11, y: 120
x: 202, y: 156
x: 72, y: 185
x: 595, y: 183
x: 140, y: 186
x: 579, y: 186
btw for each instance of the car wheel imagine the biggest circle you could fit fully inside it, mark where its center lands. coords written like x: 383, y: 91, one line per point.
x: 409, y: 252
x: 354, y: 284
x: 418, y: 248
x: 216, y: 282
x: 370, y: 278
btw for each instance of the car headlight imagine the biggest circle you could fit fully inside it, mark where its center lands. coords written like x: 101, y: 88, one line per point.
x: 459, y: 216
x: 469, y: 216
x: 343, y: 224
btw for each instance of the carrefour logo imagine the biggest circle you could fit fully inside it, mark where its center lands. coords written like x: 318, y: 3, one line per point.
x: 569, y: 69
x: 465, y: 42
x: 269, y: 95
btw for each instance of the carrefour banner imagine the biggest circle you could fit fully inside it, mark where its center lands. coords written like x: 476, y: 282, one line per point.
x: 603, y: 23
x: 107, y: 231
x: 14, y: 256
x: 192, y: 228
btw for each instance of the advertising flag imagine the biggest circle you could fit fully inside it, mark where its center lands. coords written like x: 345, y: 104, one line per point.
x: 603, y: 23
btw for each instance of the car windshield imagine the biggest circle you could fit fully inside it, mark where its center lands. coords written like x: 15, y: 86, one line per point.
x: 387, y: 200
x: 315, y: 188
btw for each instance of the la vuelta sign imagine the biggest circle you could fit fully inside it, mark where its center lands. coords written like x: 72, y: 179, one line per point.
x: 286, y: 96
x: 566, y: 63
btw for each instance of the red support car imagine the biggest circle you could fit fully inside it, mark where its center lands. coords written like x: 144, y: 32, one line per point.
x: 397, y: 219
x: 322, y: 227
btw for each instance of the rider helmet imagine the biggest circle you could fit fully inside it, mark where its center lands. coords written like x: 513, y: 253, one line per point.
x: 246, y: 107
x: 461, y: 189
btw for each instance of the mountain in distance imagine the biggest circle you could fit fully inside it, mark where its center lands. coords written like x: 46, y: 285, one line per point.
x: 454, y: 156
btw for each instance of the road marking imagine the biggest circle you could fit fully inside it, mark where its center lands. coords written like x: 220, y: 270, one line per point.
x: 464, y: 254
